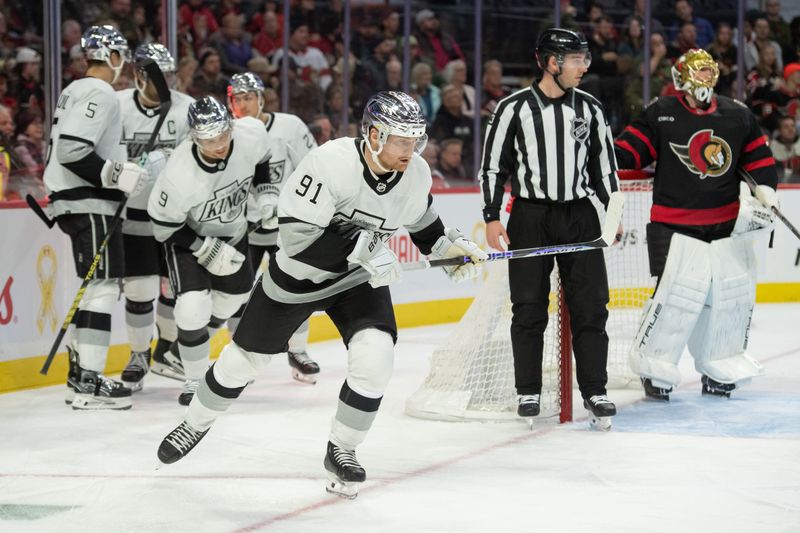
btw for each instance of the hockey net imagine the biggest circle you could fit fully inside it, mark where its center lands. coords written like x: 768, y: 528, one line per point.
x: 472, y: 373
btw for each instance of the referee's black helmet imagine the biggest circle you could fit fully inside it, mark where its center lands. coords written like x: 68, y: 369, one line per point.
x: 559, y: 42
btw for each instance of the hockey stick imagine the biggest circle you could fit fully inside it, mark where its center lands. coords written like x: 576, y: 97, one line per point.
x: 153, y: 73
x: 607, y: 238
x: 751, y: 182
x: 33, y: 204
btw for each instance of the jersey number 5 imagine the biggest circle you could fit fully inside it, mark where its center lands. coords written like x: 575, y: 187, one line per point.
x: 305, y: 186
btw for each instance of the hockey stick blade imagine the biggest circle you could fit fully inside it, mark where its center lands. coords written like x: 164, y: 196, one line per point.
x: 751, y: 182
x: 157, y: 77
x: 607, y: 238
x: 34, y: 205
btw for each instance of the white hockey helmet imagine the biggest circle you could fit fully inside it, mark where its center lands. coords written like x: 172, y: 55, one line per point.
x: 686, y: 75
x: 162, y: 57
x: 208, y: 119
x: 98, y: 44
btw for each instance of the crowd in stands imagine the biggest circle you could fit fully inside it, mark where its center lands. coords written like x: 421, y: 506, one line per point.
x: 218, y: 38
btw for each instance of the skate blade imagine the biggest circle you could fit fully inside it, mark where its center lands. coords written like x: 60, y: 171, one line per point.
x: 167, y: 372
x: 599, y: 423
x: 86, y: 402
x: 308, y: 379
x: 340, y: 488
x: 69, y: 397
x: 134, y: 386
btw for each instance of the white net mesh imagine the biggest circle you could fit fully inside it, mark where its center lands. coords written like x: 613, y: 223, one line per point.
x: 472, y: 372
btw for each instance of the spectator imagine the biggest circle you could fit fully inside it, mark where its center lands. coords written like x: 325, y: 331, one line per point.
x: 6, y: 133
x: 70, y: 36
x: 209, y: 79
x: 724, y: 53
x: 258, y: 20
x: 228, y: 6
x: 760, y: 40
x: 5, y: 98
x: 631, y: 46
x: 786, y: 149
x: 272, y: 102
x: 119, y: 12
x: 431, y: 156
x: 390, y: 26
x: 638, y: 12
x: 493, y: 88
x: 310, y: 63
x: 261, y: 68
x: 660, y: 76
x: 29, y: 153
x: 28, y: 86
x: 779, y: 29
x: 370, y: 76
x: 451, y: 123
x: 704, y: 29
x: 187, y: 67
x: 450, y: 164
x: 785, y: 100
x: 142, y: 25
x: 428, y: 95
x: 195, y: 16
x: 437, y: 47
x: 366, y: 34
x: 394, y: 75
x: 322, y: 129
x: 455, y: 74
x: 610, y: 84
x: 685, y: 40
x: 76, y: 66
x: 334, y: 103
x: 270, y: 35
x: 233, y: 45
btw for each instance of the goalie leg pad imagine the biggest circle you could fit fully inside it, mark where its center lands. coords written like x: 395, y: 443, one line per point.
x: 719, y: 339
x: 672, y: 312
x: 369, y: 367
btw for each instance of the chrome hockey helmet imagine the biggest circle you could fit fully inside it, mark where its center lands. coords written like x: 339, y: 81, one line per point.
x: 162, y: 57
x: 393, y: 113
x: 98, y: 43
x: 208, y: 119
x: 246, y: 82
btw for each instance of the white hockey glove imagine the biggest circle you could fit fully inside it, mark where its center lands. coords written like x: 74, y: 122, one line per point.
x: 371, y: 253
x: 219, y: 257
x: 453, y: 244
x: 268, y: 206
x: 753, y: 214
x: 155, y: 163
x: 128, y: 177
x: 767, y: 196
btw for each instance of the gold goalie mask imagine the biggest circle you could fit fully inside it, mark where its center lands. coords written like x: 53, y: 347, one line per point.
x: 696, y: 73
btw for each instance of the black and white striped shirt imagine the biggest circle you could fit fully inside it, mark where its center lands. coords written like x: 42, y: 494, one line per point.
x: 554, y: 150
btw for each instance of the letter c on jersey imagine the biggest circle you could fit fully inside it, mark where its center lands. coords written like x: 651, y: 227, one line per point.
x: 6, y: 305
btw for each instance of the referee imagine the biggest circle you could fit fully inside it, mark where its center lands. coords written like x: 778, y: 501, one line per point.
x: 554, y: 144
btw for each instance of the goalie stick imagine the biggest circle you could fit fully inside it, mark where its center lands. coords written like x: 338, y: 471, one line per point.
x: 153, y: 73
x: 751, y: 182
x: 607, y: 238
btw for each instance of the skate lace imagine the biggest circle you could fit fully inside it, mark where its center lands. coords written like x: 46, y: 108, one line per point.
x: 528, y: 398
x: 138, y: 360
x: 345, y: 457
x: 301, y: 357
x: 183, y: 437
x: 599, y: 399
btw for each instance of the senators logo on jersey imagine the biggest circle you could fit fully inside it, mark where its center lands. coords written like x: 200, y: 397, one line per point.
x: 705, y: 154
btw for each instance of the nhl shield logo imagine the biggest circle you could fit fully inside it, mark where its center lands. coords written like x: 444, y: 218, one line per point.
x: 579, y: 129
x: 380, y: 187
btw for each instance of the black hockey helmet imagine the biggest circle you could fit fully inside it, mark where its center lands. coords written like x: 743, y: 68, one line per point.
x: 559, y: 42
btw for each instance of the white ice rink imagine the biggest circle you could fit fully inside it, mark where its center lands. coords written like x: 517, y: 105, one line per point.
x: 696, y: 464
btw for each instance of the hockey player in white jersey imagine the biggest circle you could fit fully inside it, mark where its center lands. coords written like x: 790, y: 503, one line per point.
x: 145, y: 268
x: 197, y: 209
x: 88, y: 174
x: 337, y: 211
x: 291, y: 141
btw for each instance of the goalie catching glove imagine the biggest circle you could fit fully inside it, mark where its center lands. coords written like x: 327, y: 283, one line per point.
x: 453, y: 244
x: 219, y: 257
x: 128, y: 177
x: 376, y: 258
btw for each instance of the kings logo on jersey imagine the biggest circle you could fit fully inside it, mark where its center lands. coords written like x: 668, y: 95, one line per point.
x: 228, y: 202
x: 276, y: 171
x: 705, y: 154
x: 136, y: 144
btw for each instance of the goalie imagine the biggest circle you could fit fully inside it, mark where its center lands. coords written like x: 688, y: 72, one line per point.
x: 698, y: 238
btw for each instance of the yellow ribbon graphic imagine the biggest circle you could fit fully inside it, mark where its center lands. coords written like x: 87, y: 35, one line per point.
x: 47, y: 283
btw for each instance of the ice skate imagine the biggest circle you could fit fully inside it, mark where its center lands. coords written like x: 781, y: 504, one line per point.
x: 601, y: 409
x: 528, y: 407
x: 654, y: 393
x: 303, y: 367
x: 168, y: 363
x: 89, y: 390
x: 137, y: 368
x: 715, y: 388
x: 178, y: 443
x: 344, y: 472
x: 189, y: 388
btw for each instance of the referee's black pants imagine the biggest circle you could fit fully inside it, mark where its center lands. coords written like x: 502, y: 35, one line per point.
x: 583, y: 276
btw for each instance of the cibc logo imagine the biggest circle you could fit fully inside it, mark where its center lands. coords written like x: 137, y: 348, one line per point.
x: 6, y: 304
